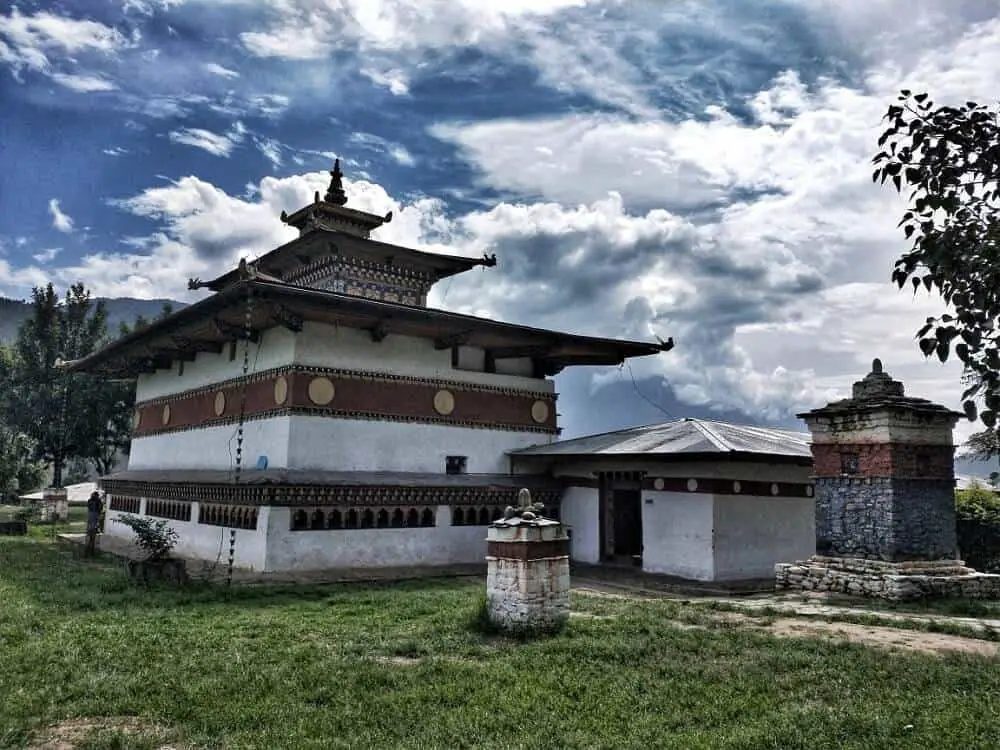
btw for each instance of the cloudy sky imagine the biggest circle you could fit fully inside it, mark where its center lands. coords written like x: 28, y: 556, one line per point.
x: 690, y: 169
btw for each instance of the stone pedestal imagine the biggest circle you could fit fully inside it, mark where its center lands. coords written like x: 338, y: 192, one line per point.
x: 527, y: 579
x: 56, y: 503
x: 883, y: 464
x: 896, y: 581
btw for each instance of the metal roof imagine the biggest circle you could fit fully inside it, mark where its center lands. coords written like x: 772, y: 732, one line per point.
x: 681, y: 437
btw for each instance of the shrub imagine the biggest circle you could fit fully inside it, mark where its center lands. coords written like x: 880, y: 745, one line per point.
x: 157, y: 538
x: 978, y: 525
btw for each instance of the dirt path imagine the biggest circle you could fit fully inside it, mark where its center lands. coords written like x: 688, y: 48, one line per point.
x: 787, y: 618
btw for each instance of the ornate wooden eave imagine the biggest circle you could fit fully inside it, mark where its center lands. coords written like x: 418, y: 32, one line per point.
x: 221, y: 318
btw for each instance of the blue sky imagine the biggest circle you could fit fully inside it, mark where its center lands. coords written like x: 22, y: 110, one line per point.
x: 688, y: 169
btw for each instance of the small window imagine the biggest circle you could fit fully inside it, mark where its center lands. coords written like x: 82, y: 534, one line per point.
x: 849, y: 463
x: 456, y: 464
x: 180, y: 367
x: 232, y: 351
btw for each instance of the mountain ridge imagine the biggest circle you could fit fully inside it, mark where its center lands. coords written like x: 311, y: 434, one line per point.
x: 14, y: 312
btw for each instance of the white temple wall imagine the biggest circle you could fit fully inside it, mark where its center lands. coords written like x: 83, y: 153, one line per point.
x: 204, y: 542
x: 213, y: 447
x: 677, y: 535
x: 364, y: 548
x: 324, y: 345
x: 276, y: 348
x: 754, y: 533
x: 579, y: 511
x: 369, y: 445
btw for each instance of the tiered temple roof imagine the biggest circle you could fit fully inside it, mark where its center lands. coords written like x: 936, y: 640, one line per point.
x: 334, y: 273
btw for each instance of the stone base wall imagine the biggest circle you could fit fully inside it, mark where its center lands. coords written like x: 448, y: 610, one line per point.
x: 886, y: 518
x: 527, y: 579
x: 937, y: 579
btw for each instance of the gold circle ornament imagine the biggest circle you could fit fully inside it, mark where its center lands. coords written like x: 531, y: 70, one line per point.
x: 539, y: 411
x: 321, y: 391
x: 166, y: 413
x: 659, y: 484
x: 220, y: 403
x: 280, y: 390
x: 444, y: 403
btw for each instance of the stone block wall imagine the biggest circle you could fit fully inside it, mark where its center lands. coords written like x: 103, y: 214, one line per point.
x: 885, y: 580
x: 885, y: 519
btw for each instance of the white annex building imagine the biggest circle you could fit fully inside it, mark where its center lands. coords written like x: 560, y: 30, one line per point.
x: 315, y: 405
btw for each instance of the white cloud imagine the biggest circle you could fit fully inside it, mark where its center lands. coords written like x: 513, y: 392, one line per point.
x: 395, y: 80
x: 313, y: 29
x: 396, y: 151
x: 83, y: 83
x: 60, y: 221
x: 219, y: 70
x: 785, y: 296
x: 40, y: 41
x: 217, y: 144
x: 47, y: 255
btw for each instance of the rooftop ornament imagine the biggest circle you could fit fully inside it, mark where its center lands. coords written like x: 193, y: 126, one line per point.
x: 527, y: 512
x: 877, y: 384
x: 335, y: 193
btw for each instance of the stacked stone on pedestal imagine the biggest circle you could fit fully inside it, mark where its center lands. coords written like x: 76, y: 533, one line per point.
x: 527, y: 579
x: 885, y: 499
x: 55, y: 503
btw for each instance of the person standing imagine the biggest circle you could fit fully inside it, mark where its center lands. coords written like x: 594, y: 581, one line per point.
x: 94, y: 506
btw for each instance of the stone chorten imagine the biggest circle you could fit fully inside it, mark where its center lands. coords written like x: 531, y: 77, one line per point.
x: 885, y: 504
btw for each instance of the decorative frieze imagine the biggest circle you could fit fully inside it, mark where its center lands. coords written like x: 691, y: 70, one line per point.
x: 705, y: 485
x: 341, y: 518
x: 230, y: 516
x: 364, y: 278
x: 175, y: 510
x: 349, y: 394
x: 293, y: 495
x: 124, y: 504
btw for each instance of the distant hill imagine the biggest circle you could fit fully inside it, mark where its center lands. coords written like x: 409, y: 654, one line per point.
x: 121, y: 309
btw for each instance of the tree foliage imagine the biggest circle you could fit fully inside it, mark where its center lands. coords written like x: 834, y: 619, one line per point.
x: 19, y: 471
x: 65, y: 414
x: 949, y: 159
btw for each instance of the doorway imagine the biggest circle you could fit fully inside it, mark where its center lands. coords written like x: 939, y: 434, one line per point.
x: 627, y: 523
x: 620, y: 524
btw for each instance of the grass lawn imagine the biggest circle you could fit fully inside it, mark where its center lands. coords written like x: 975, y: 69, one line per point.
x: 398, y: 666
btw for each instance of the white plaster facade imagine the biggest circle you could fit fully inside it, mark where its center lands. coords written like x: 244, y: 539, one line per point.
x: 274, y: 547
x: 306, y: 442
x: 323, y: 345
x: 700, y: 535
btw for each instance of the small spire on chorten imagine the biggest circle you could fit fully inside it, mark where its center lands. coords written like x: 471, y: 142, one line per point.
x: 335, y: 193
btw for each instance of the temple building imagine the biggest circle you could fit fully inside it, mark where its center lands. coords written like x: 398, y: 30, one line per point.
x: 316, y: 405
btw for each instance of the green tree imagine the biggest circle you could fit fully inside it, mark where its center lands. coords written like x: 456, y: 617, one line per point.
x: 54, y: 407
x: 19, y: 471
x: 948, y: 158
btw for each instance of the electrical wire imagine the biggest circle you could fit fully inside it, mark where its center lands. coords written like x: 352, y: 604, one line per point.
x: 639, y: 393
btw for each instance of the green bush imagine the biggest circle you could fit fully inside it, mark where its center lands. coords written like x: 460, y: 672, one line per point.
x: 978, y: 526
x: 157, y: 538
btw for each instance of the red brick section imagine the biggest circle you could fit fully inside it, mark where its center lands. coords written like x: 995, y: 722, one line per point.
x: 886, y: 460
x: 528, y: 550
x: 390, y: 399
